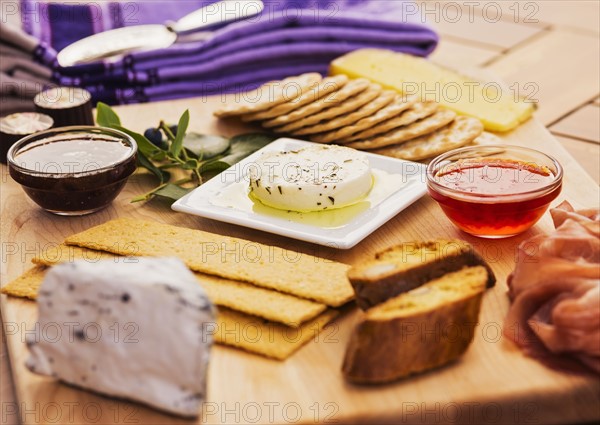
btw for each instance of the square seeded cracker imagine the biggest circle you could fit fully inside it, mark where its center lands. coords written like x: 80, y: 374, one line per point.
x: 269, y: 339
x: 241, y: 296
x: 26, y: 285
x: 271, y: 267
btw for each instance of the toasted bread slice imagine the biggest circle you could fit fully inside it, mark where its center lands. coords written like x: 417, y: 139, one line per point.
x: 404, y: 267
x: 419, y: 330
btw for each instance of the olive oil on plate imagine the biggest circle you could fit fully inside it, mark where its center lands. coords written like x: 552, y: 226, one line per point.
x: 238, y: 196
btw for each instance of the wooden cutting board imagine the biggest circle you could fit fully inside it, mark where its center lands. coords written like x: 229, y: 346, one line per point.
x: 493, y: 382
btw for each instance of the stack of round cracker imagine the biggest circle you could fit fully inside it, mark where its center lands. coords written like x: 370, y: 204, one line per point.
x: 355, y: 113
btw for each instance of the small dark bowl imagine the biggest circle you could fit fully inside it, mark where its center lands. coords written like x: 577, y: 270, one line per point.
x: 14, y: 127
x: 60, y: 187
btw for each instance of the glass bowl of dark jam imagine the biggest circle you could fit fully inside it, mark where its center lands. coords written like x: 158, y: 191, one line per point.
x: 73, y: 170
x: 494, y: 191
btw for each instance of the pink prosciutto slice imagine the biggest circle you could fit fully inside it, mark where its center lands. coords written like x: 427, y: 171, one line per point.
x: 555, y: 289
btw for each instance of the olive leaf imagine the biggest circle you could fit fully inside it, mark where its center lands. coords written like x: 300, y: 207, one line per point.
x: 252, y: 140
x: 204, y: 146
x: 172, y: 192
x: 189, y: 154
x: 191, y: 164
x: 242, y: 145
x: 177, y: 145
x: 215, y: 166
x: 106, y: 116
x: 144, y: 145
x: 142, y: 161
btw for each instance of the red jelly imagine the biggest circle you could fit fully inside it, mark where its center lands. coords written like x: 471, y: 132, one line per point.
x: 494, y: 191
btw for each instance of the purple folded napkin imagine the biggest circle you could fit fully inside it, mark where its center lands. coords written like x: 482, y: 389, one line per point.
x: 288, y: 38
x: 22, y: 73
x: 60, y: 24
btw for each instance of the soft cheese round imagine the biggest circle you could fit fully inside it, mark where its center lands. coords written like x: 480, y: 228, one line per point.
x: 315, y: 178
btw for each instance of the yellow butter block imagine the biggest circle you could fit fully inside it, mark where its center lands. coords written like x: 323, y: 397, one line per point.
x: 499, y: 110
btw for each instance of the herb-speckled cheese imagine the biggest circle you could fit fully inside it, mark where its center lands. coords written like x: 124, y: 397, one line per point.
x: 311, y: 179
x: 135, y: 329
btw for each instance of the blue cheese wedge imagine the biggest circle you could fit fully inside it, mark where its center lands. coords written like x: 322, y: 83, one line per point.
x: 135, y: 329
x: 315, y: 178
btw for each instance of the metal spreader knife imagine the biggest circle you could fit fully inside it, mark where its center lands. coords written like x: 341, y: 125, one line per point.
x: 113, y: 44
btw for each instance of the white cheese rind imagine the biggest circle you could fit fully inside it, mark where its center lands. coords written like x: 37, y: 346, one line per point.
x: 311, y: 179
x: 134, y: 329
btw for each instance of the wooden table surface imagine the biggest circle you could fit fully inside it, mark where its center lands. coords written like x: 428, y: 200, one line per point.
x: 551, y: 51
x: 492, y: 376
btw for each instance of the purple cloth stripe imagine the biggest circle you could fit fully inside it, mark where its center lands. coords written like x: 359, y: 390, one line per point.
x: 266, y: 55
x: 82, y: 24
x: 214, y: 83
x: 351, y: 21
x: 374, y: 37
x: 209, y: 87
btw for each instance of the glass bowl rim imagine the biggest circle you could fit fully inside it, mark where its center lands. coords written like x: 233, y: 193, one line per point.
x: 439, y: 188
x: 57, y: 131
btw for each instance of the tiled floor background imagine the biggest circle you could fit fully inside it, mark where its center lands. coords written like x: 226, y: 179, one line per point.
x: 550, y: 49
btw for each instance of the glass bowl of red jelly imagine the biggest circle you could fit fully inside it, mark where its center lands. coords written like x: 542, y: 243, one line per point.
x: 494, y: 191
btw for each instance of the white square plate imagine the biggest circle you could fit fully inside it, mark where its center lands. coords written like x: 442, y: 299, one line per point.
x: 224, y: 198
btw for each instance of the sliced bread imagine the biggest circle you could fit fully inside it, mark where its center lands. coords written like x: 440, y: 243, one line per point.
x: 424, y: 328
x: 404, y: 267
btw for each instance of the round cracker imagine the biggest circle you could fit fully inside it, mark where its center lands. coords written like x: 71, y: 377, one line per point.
x: 350, y: 105
x: 399, y: 105
x: 384, y: 99
x: 484, y: 139
x: 460, y: 133
x: 269, y: 94
x: 422, y: 127
x: 317, y: 91
x: 350, y: 89
x: 417, y: 111
x: 487, y: 139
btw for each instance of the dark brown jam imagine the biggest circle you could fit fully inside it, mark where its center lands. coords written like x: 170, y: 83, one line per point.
x: 74, y: 174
